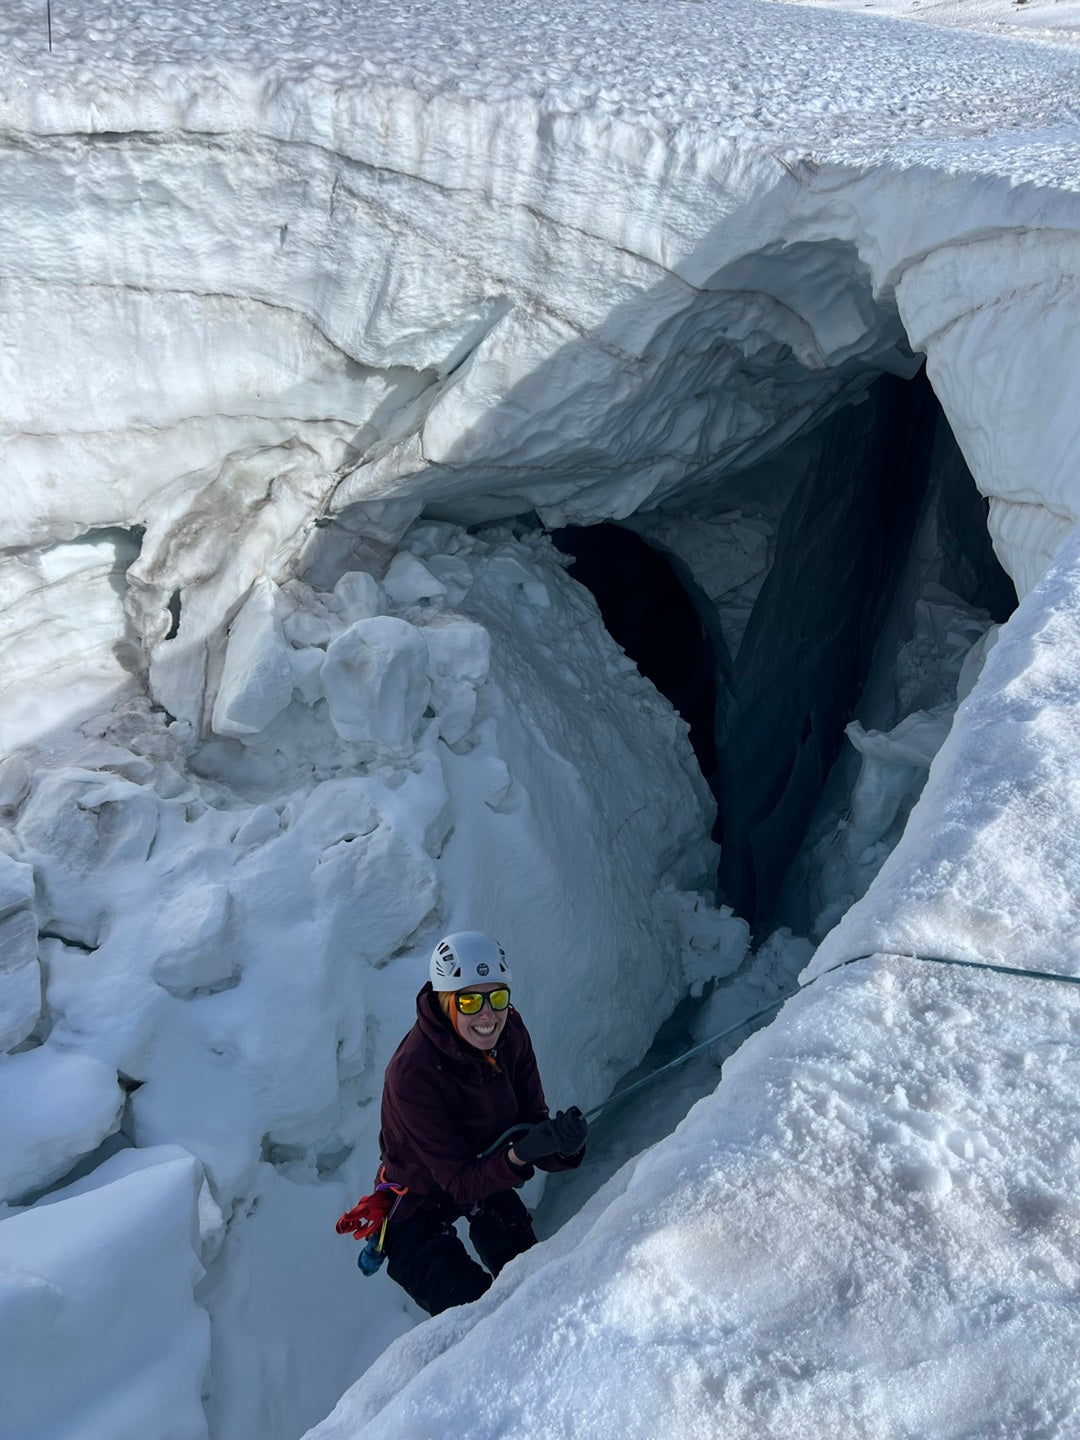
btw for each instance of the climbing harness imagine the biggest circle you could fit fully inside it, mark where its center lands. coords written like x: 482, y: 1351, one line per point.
x: 368, y: 1219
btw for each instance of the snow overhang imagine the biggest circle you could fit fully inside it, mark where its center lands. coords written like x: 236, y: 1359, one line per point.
x: 395, y: 285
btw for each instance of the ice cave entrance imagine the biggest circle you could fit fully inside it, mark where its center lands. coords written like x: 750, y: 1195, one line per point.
x: 825, y: 585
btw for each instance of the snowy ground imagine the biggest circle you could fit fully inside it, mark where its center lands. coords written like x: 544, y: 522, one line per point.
x: 1051, y: 21
x: 274, y: 277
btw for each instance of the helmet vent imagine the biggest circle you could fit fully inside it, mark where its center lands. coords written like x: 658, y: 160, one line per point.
x: 465, y: 958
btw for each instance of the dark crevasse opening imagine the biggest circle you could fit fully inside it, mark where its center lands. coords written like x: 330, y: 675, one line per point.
x: 648, y: 610
x: 808, y: 645
x: 769, y: 671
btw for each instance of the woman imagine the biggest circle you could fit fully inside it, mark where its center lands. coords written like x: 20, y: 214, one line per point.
x: 463, y: 1076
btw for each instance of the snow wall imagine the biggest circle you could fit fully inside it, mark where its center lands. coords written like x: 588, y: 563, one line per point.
x: 279, y: 321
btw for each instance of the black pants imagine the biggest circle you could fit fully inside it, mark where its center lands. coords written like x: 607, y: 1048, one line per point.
x: 427, y: 1259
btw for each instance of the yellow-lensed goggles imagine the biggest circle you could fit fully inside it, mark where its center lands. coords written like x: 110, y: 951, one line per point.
x: 471, y: 1002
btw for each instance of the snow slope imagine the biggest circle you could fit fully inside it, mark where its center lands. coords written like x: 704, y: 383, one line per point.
x: 1050, y: 21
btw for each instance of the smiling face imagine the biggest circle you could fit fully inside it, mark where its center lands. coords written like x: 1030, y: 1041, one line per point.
x: 483, y: 1029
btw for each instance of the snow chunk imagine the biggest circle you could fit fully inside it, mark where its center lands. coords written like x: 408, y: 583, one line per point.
x: 194, y: 953
x: 257, y: 681
x: 409, y: 582
x: 16, y: 885
x: 359, y: 595
x: 63, y: 633
x: 75, y: 824
x: 460, y: 655
x: 716, y: 940
x: 302, y: 629
x: 99, y: 1330
x: 55, y: 1105
x: 375, y: 678
x: 307, y: 674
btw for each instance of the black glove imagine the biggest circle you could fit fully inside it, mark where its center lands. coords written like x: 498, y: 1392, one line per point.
x: 563, y: 1134
x: 571, y: 1128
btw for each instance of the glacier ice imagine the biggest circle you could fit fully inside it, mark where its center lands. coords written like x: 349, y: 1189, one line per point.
x: 291, y: 296
x: 257, y: 679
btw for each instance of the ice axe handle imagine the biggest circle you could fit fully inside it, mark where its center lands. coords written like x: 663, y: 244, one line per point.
x: 506, y: 1138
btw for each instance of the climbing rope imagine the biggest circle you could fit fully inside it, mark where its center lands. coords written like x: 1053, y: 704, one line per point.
x: 620, y: 1095
x: 372, y: 1215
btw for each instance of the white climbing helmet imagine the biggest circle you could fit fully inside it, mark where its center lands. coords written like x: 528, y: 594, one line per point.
x: 468, y: 958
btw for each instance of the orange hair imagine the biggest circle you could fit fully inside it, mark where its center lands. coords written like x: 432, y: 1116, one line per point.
x: 447, y: 1006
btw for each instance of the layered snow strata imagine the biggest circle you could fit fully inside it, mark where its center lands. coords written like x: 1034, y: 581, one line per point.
x: 999, y: 321
x: 65, y: 642
x: 477, y: 272
x: 20, y: 973
x: 235, y: 929
x: 871, y: 1227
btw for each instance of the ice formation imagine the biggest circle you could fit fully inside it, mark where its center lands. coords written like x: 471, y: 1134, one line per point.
x: 230, y: 956
x: 871, y: 1227
x: 313, y: 322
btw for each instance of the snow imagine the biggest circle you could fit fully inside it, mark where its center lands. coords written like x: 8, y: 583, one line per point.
x: 376, y: 683
x: 257, y: 681
x: 20, y: 972
x: 985, y: 867
x: 935, y: 670
x: 99, y: 1330
x: 274, y: 281
x: 60, y: 621
x: 236, y: 928
x: 55, y: 1106
x: 497, y: 260
x: 870, y: 1227
x: 868, y: 1230
x: 1055, y: 22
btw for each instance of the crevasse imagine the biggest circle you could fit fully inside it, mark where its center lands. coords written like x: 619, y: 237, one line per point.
x: 314, y: 322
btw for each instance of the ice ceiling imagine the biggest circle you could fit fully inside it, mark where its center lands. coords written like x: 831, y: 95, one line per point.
x: 286, y: 303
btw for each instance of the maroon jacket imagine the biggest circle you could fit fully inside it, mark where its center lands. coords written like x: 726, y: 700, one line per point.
x: 444, y: 1102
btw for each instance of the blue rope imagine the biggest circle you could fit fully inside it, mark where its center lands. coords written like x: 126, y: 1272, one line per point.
x: 621, y: 1095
